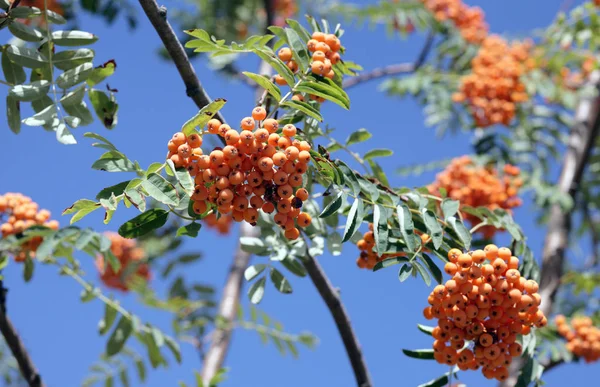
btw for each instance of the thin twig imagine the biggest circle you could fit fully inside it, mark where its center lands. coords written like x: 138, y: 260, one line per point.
x: 581, y: 141
x: 14, y: 342
x: 332, y: 299
x: 158, y: 17
x: 394, y: 69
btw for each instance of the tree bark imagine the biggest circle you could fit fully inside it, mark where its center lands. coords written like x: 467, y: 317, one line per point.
x: 582, y: 138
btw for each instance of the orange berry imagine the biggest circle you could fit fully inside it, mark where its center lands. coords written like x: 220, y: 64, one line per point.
x: 259, y: 113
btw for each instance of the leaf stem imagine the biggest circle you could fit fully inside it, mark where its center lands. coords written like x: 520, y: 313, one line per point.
x: 5, y: 83
x: 477, y: 227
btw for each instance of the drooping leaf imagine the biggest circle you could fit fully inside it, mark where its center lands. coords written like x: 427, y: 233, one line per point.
x: 119, y: 336
x: 74, y: 76
x: 203, y: 116
x: 265, y: 83
x: 281, y: 283
x: 100, y: 73
x: 426, y: 354
x: 144, y: 223
x: 257, y: 290
x: 433, y: 228
x: 355, y: 217
x: 254, y: 270
x: 160, y: 189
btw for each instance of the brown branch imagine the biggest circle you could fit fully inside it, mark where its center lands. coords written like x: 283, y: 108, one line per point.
x: 158, y: 17
x: 14, y: 342
x: 580, y: 143
x: 394, y: 69
x: 221, y: 337
x: 342, y: 321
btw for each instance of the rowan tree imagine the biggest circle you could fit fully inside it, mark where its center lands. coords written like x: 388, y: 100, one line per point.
x: 284, y: 180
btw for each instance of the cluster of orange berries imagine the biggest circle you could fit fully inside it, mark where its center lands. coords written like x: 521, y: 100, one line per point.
x: 128, y: 253
x: 221, y: 224
x: 369, y: 258
x: 583, y: 340
x: 19, y: 213
x: 258, y: 169
x: 572, y: 80
x: 487, y: 304
x: 325, y: 54
x: 469, y: 20
x: 478, y: 186
x: 494, y: 88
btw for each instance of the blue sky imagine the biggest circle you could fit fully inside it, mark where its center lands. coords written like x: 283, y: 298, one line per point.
x: 60, y: 332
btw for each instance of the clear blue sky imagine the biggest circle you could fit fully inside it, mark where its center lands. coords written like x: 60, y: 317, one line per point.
x: 60, y: 332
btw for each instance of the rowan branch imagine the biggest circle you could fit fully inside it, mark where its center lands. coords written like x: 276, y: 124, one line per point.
x: 158, y: 17
x: 394, y: 69
x: 581, y: 140
x: 14, y: 342
x: 221, y: 337
x: 332, y: 299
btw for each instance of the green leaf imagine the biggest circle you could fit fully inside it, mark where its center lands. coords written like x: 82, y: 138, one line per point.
x: 124, y: 377
x: 355, y: 217
x: 25, y: 32
x: 144, y: 223
x: 433, y: 228
x: 328, y: 91
x: 28, y: 269
x: 160, y: 189
x: 439, y: 382
x: 26, y: 57
x: 257, y: 291
x: 425, y: 354
x: 301, y: 31
x: 281, y: 68
x: 35, y: 90
x: 24, y: 12
x: 119, y: 336
x: 407, y: 228
x: 405, y: 272
x: 450, y: 207
x: 266, y: 84
x: 110, y: 315
x: 141, y: 369
x: 13, y: 73
x: 185, y: 180
x: 423, y: 272
x: 361, y: 135
x: 380, y: 228
x: 433, y: 268
x: 46, y: 116
x: 299, y: 51
x: 305, y: 108
x: 55, y: 18
x: 378, y: 153
x: 100, y: 73
x: 13, y: 114
x: 106, y: 107
x: 294, y: 266
x: 334, y: 243
x: 281, y: 283
x: 74, y: 76
x: 68, y: 59
x: 73, y: 38
x: 190, y: 230
x: 332, y: 207
x: 252, y: 271
x: 253, y: 245
x: 203, y: 116
x: 174, y: 347
x: 425, y: 329
x: 113, y: 164
x: 116, y: 190
x: 463, y: 233
x: 81, y: 208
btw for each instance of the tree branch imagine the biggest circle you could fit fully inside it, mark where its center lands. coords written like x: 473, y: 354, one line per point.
x: 28, y: 370
x: 394, y: 69
x: 342, y: 321
x: 580, y: 143
x: 158, y: 17
x: 221, y: 338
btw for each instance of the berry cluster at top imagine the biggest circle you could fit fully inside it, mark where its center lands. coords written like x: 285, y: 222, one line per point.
x: 583, y: 340
x: 470, y: 21
x: 18, y: 213
x: 479, y: 186
x: 258, y: 169
x: 325, y: 54
x: 482, y: 309
x: 130, y: 256
x: 368, y: 256
x: 493, y: 89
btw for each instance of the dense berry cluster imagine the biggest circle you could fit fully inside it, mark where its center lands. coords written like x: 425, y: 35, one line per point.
x: 573, y: 80
x: 130, y: 256
x: 478, y: 186
x: 258, y: 169
x: 325, y: 54
x: 17, y: 214
x: 482, y: 309
x: 368, y: 256
x: 583, y: 340
x: 494, y: 89
x: 284, y: 9
x: 470, y: 21
x: 221, y: 224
